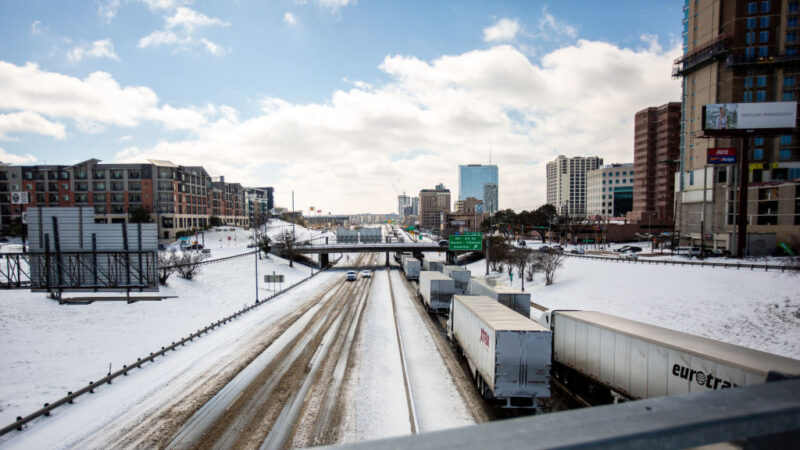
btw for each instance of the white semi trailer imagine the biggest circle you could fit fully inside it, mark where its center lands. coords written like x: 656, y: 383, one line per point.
x: 411, y: 267
x: 638, y: 360
x: 508, y: 354
x: 506, y: 295
x: 460, y: 275
x: 436, y: 290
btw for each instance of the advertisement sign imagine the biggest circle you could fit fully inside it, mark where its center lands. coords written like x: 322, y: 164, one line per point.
x: 458, y: 222
x: 749, y: 116
x: 469, y: 242
x: 721, y: 155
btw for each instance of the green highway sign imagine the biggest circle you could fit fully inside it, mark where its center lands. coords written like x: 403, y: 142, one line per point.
x: 472, y: 242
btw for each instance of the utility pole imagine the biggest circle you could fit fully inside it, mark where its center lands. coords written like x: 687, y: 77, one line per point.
x: 258, y: 250
x: 293, y: 218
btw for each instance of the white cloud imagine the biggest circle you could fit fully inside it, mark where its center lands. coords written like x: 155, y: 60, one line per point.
x: 213, y: 48
x: 11, y: 158
x: 190, y: 20
x: 289, y: 19
x: 29, y: 122
x: 165, y: 4
x: 125, y: 138
x: 335, y: 5
x: 578, y: 100
x: 504, y: 30
x: 36, y: 27
x: 551, y: 28
x: 181, y: 28
x: 92, y: 103
x: 107, y: 9
x: 97, y: 49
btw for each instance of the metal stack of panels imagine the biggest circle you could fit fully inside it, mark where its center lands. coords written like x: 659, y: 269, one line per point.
x: 346, y: 236
x: 370, y: 235
x: 506, y: 295
x: 69, y: 250
x: 460, y: 275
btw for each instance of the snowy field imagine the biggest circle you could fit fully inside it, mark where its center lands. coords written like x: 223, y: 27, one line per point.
x: 754, y: 309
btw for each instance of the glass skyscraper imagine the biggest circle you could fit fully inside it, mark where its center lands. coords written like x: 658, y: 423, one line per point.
x: 479, y: 181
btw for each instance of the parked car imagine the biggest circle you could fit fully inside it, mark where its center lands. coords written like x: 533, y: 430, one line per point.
x: 444, y: 243
x: 251, y: 245
x: 366, y: 274
x: 544, y: 248
x: 194, y: 247
x: 521, y: 243
x: 351, y: 275
x: 557, y: 249
x: 578, y: 251
x: 628, y: 255
x: 687, y: 251
x: 626, y: 248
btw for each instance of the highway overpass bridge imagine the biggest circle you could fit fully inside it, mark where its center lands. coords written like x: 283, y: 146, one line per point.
x: 323, y: 250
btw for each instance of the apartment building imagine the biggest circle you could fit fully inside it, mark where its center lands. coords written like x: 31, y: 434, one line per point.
x: 610, y: 190
x: 433, y: 203
x: 738, y: 52
x: 177, y: 198
x: 656, y: 148
x: 566, y: 183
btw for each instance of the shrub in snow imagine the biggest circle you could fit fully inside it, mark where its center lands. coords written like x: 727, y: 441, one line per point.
x: 550, y: 263
x: 165, y: 262
x: 188, y: 264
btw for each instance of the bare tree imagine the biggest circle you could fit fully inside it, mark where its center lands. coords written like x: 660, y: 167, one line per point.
x: 188, y: 264
x: 166, y: 261
x: 287, y: 242
x: 521, y: 259
x: 534, y: 265
x: 550, y: 262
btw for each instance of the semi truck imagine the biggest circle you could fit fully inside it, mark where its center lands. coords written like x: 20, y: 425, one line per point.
x: 506, y: 295
x: 436, y: 290
x: 508, y: 354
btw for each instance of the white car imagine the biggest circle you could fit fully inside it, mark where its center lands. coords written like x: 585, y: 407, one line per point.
x: 366, y: 274
x: 351, y: 275
x: 628, y: 255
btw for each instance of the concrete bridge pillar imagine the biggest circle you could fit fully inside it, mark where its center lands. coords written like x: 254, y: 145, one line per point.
x: 387, y: 259
x: 323, y: 260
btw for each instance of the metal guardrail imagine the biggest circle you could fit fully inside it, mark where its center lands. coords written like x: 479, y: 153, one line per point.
x: 765, y: 267
x: 210, y: 261
x: 71, y: 396
x: 766, y: 415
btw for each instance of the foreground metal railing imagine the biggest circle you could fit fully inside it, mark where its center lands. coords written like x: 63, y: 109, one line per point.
x: 766, y: 416
x: 667, y: 262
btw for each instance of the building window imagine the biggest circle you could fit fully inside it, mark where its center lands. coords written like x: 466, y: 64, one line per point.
x: 747, y: 96
x: 764, y: 6
x: 748, y: 82
x: 791, y: 36
x: 786, y: 139
x: 752, y: 8
x: 763, y: 36
x: 764, y: 22
x: 758, y: 140
x: 787, y: 96
x: 750, y: 52
x: 763, y: 51
x: 792, y: 22
x: 750, y: 37
x: 761, y: 96
x: 791, y: 51
x: 750, y: 22
x: 788, y: 82
x: 785, y: 154
x: 758, y: 154
x: 794, y: 6
x: 98, y: 186
x: 99, y: 174
x: 761, y: 80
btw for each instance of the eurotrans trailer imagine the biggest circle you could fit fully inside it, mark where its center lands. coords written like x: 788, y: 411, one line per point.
x: 599, y: 352
x: 508, y: 354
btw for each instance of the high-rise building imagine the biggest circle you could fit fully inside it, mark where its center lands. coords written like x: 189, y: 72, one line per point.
x: 479, y: 181
x: 566, y: 183
x: 657, y: 132
x: 403, y: 202
x: 609, y: 190
x: 432, y: 204
x: 738, y: 52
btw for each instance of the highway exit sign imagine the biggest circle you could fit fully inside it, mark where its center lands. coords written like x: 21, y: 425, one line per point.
x: 472, y: 242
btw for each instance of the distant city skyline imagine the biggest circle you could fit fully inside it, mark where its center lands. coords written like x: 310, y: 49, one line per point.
x: 334, y: 100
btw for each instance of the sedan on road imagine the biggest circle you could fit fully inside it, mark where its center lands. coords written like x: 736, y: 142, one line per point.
x: 351, y: 275
x: 366, y: 274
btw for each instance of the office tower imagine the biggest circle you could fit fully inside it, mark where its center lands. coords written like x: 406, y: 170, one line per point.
x: 566, y: 183
x: 480, y: 182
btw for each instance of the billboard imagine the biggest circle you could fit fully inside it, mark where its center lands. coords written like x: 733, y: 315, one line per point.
x: 749, y: 116
x: 721, y: 155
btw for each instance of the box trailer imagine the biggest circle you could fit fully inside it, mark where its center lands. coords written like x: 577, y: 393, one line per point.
x: 639, y: 360
x: 506, y: 295
x: 432, y: 265
x: 460, y: 275
x: 436, y: 290
x: 411, y: 267
x: 508, y: 354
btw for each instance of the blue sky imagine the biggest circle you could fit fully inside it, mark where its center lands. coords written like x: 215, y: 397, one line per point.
x: 312, y: 95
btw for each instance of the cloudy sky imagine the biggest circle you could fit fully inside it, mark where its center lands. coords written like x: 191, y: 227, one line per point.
x: 346, y: 102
